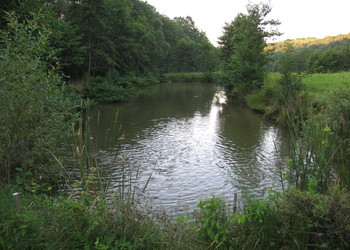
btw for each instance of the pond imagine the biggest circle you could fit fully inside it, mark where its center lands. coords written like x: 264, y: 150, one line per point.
x: 185, y: 142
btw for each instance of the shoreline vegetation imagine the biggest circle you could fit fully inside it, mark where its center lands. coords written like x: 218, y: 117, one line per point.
x: 294, y: 219
x: 42, y: 45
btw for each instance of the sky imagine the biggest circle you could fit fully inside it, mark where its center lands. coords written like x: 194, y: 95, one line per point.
x: 300, y: 18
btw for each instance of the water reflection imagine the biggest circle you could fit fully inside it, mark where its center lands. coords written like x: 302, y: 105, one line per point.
x: 193, y: 142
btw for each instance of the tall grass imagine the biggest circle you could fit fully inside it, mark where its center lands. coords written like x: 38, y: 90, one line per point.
x: 314, y: 144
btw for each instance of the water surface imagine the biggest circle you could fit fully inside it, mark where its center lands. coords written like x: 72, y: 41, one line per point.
x: 191, y: 142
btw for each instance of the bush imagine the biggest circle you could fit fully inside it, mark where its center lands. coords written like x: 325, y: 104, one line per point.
x: 102, y: 89
x: 263, y: 100
x: 296, y: 220
x: 114, y: 88
x: 34, y: 112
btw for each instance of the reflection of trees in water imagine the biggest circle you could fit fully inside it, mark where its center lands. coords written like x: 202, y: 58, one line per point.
x: 250, y: 142
x: 159, y: 103
x: 194, y: 142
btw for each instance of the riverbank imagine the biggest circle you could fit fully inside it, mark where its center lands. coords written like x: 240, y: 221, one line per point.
x: 315, y: 90
x: 191, y: 77
x: 114, y: 89
x: 294, y: 220
x: 316, y: 109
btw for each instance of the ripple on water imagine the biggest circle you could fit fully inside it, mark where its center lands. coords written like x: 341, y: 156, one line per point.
x: 194, y: 157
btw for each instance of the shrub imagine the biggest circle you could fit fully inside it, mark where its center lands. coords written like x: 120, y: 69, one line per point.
x: 102, y: 89
x: 263, y: 99
x: 33, y: 108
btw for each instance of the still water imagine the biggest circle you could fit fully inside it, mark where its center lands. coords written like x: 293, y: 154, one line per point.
x: 188, y: 142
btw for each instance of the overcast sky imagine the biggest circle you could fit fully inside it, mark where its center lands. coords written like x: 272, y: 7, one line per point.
x: 300, y: 18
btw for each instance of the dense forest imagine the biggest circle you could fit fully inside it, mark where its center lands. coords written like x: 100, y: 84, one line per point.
x: 312, y: 55
x: 115, y: 46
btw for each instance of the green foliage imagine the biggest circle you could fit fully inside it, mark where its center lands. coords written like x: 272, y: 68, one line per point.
x: 314, y: 43
x: 337, y: 112
x: 192, y: 52
x: 140, y: 41
x: 62, y: 36
x: 314, y: 145
x: 329, y: 60
x: 213, y: 221
x: 295, y: 221
x: 311, y: 144
x: 336, y: 117
x: 263, y: 100
x: 191, y: 77
x: 318, y: 128
x: 330, y: 54
x: 96, y: 37
x: 34, y: 111
x: 86, y: 222
x: 243, y: 46
x: 114, y: 88
x: 312, y: 157
x: 103, y: 89
x: 315, y: 108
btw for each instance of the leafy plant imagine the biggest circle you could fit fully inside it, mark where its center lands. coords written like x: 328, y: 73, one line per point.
x: 34, y: 111
x: 214, y: 222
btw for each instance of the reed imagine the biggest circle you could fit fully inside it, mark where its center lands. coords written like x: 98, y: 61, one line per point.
x: 313, y: 145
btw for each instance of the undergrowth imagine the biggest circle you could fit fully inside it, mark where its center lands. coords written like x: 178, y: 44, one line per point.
x: 295, y: 220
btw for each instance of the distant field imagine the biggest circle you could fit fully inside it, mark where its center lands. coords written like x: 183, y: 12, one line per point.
x: 315, y: 85
x: 318, y: 83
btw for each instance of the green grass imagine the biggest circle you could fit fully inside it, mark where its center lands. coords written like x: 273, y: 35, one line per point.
x: 315, y: 86
x: 320, y: 83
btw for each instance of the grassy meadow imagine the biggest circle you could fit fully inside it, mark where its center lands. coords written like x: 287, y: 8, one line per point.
x: 315, y: 86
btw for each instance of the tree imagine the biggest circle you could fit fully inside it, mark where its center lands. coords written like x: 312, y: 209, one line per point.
x: 88, y: 16
x: 345, y: 52
x: 242, y: 47
x: 190, y: 49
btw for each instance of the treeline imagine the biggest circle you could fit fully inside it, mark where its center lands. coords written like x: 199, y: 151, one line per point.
x: 335, y: 42
x: 312, y: 55
x: 117, y: 45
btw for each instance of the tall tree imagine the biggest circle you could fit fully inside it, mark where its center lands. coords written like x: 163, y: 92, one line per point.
x: 243, y: 46
x: 88, y: 15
